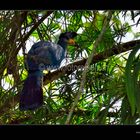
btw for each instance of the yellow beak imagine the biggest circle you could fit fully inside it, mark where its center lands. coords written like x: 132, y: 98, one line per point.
x: 71, y: 42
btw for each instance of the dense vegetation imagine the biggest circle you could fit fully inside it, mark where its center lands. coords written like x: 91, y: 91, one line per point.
x: 106, y: 91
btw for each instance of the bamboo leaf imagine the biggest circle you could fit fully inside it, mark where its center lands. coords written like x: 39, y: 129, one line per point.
x: 130, y: 80
x: 136, y: 86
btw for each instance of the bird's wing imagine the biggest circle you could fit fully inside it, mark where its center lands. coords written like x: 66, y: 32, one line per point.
x: 48, y: 54
x: 41, y: 52
x: 50, y: 51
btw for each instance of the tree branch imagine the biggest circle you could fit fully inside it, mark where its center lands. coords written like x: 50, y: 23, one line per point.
x: 70, y: 68
x: 33, y: 29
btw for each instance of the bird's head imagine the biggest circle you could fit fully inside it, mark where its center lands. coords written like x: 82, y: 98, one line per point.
x: 69, y: 37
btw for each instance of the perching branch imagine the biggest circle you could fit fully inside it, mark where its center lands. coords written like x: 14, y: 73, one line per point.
x: 70, y: 68
x: 88, y: 62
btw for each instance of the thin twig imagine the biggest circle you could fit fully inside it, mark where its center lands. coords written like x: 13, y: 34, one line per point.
x: 89, y: 60
x: 36, y: 25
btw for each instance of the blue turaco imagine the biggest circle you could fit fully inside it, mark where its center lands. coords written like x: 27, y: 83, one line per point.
x: 42, y: 55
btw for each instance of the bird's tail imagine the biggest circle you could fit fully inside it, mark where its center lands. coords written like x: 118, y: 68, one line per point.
x: 31, y: 96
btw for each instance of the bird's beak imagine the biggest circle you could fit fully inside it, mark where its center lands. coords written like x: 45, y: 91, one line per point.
x: 71, y: 42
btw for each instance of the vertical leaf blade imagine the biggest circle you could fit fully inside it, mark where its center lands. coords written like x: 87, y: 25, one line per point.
x: 130, y: 84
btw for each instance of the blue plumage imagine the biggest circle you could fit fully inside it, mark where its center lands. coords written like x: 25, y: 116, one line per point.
x: 42, y: 55
x: 47, y: 54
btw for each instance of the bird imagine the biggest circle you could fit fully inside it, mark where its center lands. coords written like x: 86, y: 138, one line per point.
x: 43, y: 55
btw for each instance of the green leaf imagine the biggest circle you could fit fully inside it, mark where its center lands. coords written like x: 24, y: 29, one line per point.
x: 136, y: 86
x: 130, y: 87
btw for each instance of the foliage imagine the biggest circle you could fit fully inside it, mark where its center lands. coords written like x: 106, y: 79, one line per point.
x: 111, y: 92
x: 132, y: 79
